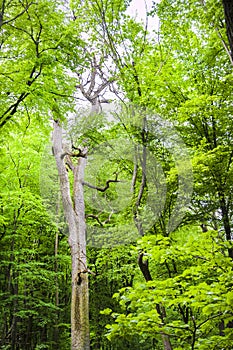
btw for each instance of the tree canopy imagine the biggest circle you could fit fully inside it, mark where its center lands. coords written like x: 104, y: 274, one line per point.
x: 134, y: 123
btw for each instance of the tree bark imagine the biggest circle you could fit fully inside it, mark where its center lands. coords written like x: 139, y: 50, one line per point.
x: 74, y: 210
x: 144, y: 267
x: 226, y: 220
x: 228, y: 11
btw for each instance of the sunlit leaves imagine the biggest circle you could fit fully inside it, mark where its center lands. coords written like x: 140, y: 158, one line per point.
x: 190, y: 280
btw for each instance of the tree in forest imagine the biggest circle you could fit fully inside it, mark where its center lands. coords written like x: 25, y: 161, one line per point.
x: 75, y: 216
x: 74, y: 209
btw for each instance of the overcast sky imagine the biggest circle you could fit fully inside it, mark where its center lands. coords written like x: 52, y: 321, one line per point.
x: 138, y: 8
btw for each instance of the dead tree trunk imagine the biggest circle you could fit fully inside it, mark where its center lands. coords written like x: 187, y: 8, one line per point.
x: 74, y: 210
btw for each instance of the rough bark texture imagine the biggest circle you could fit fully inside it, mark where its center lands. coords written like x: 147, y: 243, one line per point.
x: 228, y: 11
x: 75, y: 215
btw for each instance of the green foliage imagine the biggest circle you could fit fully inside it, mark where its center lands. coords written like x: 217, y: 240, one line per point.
x: 31, y: 274
x: 32, y: 71
x: 192, y: 281
x: 182, y: 73
x: 111, y: 268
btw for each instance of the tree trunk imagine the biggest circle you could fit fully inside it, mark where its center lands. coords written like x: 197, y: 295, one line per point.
x: 144, y: 267
x: 74, y: 210
x: 226, y: 220
x: 228, y: 11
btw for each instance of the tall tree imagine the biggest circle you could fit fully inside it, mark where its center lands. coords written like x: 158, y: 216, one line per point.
x: 75, y: 215
x: 74, y: 209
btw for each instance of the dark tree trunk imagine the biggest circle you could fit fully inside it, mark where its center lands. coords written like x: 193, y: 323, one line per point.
x: 144, y: 267
x: 228, y: 11
x: 226, y: 221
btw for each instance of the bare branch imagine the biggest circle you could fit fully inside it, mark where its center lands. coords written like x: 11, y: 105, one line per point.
x: 94, y: 217
x: 100, y: 89
x: 93, y: 78
x: 82, y: 153
x: 208, y: 319
x: 224, y: 44
x: 101, y: 189
x: 134, y: 178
